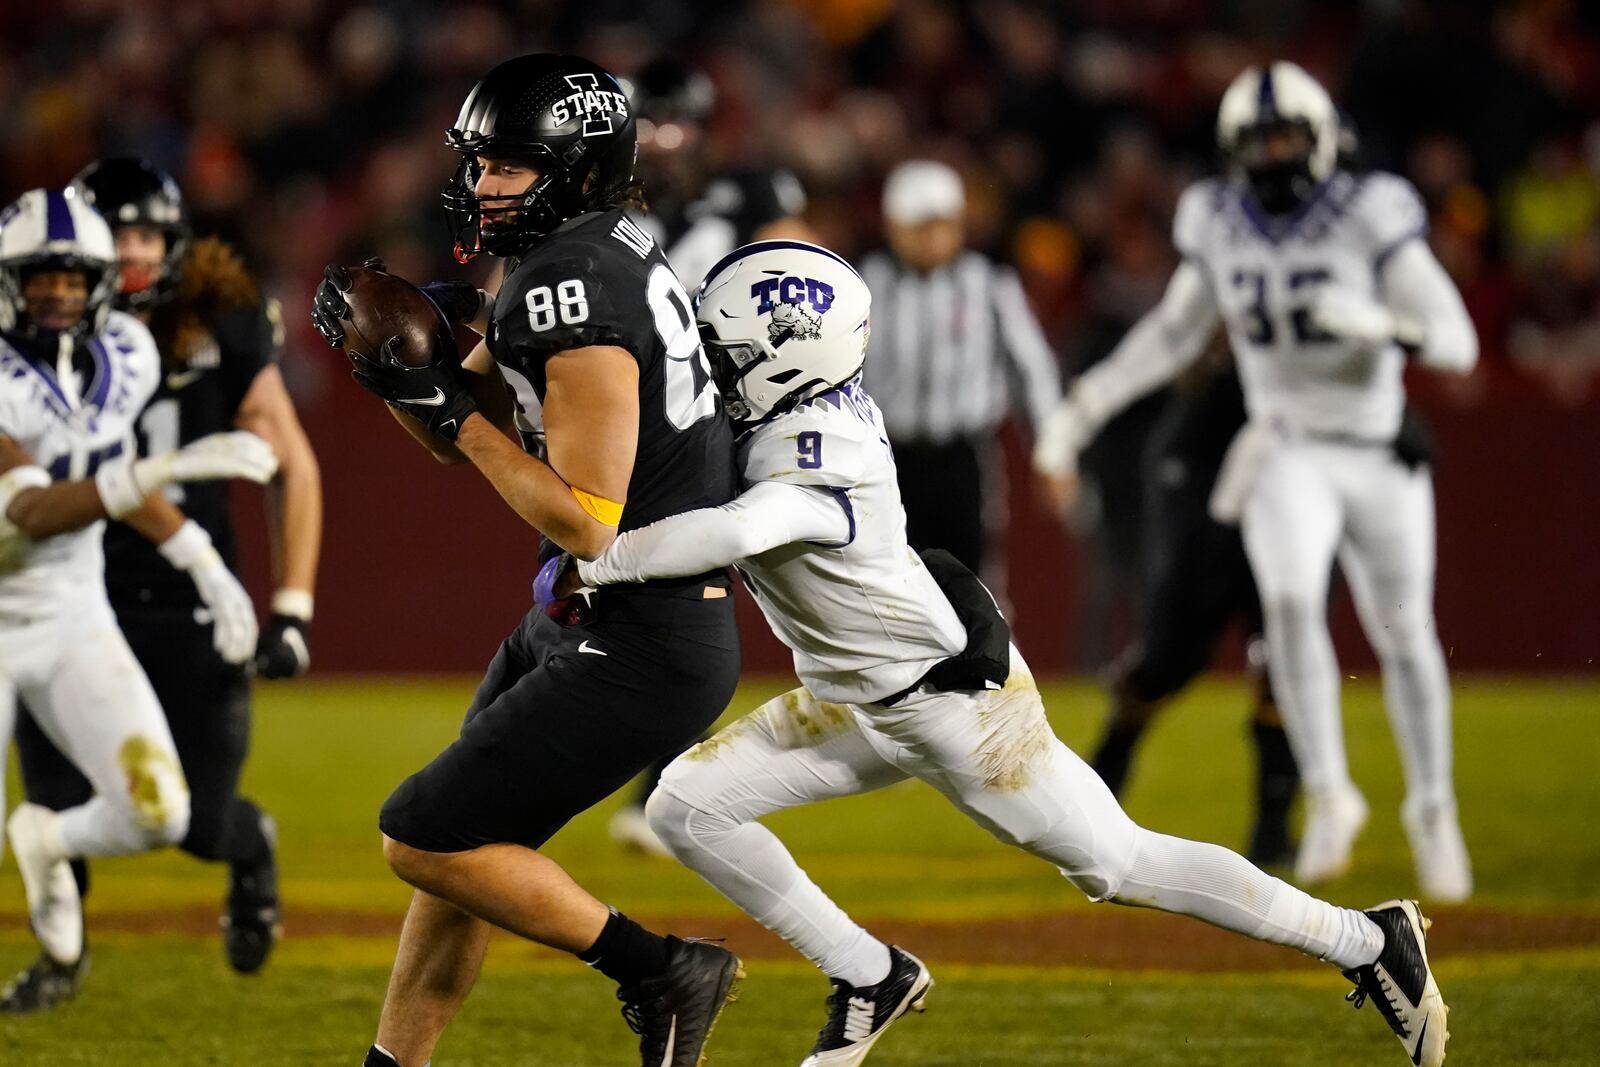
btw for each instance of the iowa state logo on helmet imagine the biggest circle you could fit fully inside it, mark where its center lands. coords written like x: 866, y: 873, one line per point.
x: 796, y: 305
x: 599, y: 107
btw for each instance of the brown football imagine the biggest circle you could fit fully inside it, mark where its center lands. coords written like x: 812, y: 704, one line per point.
x: 383, y: 306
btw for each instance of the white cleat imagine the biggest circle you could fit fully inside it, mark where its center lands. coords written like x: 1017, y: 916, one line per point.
x: 54, y: 907
x: 630, y: 829
x: 858, y: 1015
x: 1333, y: 819
x: 1444, y: 872
x: 1400, y: 983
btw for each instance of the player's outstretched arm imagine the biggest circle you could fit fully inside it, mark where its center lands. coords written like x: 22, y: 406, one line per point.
x: 185, y: 544
x: 37, y: 507
x: 1422, y: 295
x: 294, y: 523
x: 766, y: 516
x: 591, y: 425
x: 1169, y: 338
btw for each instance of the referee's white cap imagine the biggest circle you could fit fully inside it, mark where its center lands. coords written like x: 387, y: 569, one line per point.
x: 923, y: 189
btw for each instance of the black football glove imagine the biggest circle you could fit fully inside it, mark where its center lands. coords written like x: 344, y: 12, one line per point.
x: 329, y: 306
x: 459, y: 301
x: 284, y: 648
x: 433, y: 395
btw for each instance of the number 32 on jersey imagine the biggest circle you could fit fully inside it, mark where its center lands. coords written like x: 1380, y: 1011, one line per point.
x: 690, y: 393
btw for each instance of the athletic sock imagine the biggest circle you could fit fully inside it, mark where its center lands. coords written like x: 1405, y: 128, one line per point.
x: 245, y: 841
x: 1211, y: 883
x: 378, y: 1056
x: 626, y: 952
x: 1277, y: 781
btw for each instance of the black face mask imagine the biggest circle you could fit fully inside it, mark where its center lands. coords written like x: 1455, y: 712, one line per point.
x: 1282, y: 187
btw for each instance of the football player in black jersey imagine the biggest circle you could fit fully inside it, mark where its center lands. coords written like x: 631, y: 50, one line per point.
x: 592, y: 324
x: 1197, y: 582
x: 219, y: 343
x: 698, y: 213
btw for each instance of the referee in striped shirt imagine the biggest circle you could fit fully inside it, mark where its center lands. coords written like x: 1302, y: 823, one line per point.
x: 954, y: 348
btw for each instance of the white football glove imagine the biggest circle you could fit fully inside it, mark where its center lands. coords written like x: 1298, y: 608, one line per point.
x: 235, y: 454
x: 233, y: 615
x: 1358, y: 318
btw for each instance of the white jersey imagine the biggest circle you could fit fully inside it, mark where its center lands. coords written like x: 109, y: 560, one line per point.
x: 70, y: 427
x: 863, y: 616
x: 1263, y: 271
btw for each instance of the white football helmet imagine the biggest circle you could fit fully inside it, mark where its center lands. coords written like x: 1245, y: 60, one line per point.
x: 781, y: 321
x: 46, y: 228
x: 1266, y: 101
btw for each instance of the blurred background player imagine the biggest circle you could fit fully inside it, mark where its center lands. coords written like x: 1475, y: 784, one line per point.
x: 1196, y: 584
x: 74, y: 375
x: 955, y: 347
x: 1196, y: 580
x: 1326, y: 286
x: 698, y: 211
x: 700, y: 208
x: 219, y: 344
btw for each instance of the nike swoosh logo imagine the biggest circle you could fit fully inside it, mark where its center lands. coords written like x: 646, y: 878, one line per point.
x: 585, y: 647
x: 429, y: 401
x: 672, y: 1034
x: 178, y: 379
x: 1416, y: 1054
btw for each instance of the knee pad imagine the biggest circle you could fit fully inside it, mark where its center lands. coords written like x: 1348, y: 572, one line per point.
x: 679, y: 824
x: 158, y: 796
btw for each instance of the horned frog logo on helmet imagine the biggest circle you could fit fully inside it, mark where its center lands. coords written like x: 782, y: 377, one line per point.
x: 793, y: 322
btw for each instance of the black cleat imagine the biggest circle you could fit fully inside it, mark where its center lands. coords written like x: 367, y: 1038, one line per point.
x: 858, y: 1015
x: 45, y: 984
x: 673, y: 1012
x: 251, y: 924
x: 1400, y: 984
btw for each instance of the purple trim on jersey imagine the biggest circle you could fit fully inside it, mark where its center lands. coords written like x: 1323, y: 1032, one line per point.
x: 1385, y: 253
x: 768, y: 246
x: 58, y: 218
x: 100, y: 388
x: 1276, y: 228
x: 39, y: 367
x: 843, y: 498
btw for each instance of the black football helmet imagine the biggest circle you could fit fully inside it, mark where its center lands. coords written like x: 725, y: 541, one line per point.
x: 670, y: 90
x: 129, y: 191
x: 566, y: 117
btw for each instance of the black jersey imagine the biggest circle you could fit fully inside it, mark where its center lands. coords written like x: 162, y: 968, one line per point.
x: 731, y: 209
x: 600, y: 279
x: 198, y: 397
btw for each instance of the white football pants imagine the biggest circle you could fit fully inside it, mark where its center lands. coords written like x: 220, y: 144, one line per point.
x: 89, y: 695
x: 1311, y: 500
x: 995, y: 757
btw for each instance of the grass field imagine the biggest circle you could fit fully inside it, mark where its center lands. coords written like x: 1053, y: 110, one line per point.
x: 1028, y: 972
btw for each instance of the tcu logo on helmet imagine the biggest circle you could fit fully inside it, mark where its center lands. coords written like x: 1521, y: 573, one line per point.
x: 787, y: 299
x: 597, y: 106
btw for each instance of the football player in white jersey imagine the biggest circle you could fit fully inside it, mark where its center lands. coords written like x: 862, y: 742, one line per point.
x: 73, y: 376
x: 1326, y: 286
x: 907, y: 671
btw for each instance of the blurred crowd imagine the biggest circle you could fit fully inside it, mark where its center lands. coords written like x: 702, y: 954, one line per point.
x: 312, y: 130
